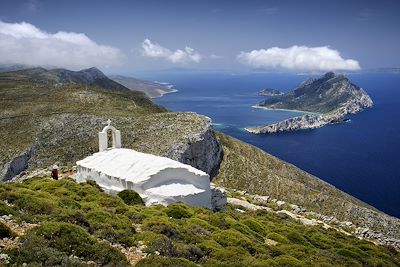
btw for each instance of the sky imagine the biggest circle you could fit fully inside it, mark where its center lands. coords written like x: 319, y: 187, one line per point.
x: 125, y: 36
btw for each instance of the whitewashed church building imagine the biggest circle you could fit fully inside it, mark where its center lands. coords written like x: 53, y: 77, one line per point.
x: 158, y: 180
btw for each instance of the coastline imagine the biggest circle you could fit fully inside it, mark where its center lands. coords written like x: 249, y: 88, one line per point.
x: 291, y: 110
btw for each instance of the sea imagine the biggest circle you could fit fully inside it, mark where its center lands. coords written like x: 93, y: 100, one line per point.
x: 361, y: 157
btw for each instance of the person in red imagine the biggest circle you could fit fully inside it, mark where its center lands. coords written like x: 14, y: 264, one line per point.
x: 54, y: 172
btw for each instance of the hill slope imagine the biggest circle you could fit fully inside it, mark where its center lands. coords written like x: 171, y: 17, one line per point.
x: 44, y: 123
x: 66, y: 224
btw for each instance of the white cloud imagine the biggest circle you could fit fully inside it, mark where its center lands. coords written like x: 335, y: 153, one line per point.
x: 186, y: 55
x: 214, y: 56
x: 299, y: 58
x: 23, y: 43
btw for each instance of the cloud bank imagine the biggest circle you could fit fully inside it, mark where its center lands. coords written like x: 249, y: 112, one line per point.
x: 184, y: 56
x: 23, y: 43
x: 298, y: 58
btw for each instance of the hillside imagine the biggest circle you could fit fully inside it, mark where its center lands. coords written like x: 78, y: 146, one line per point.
x: 61, y: 223
x: 250, y: 169
x: 151, y: 89
x: 45, y: 123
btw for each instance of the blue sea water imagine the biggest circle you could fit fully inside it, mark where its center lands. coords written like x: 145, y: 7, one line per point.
x: 360, y: 158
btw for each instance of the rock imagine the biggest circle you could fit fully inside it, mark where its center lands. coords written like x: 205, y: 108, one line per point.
x: 202, y: 151
x: 269, y: 92
x: 270, y: 242
x: 218, y: 198
x: 245, y: 204
x: 283, y: 214
x: 17, y: 165
x: 297, y: 123
x: 280, y: 203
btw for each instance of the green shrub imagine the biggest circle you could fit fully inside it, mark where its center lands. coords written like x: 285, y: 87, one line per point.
x: 255, y: 226
x: 5, y: 231
x: 161, y: 225
x: 47, y: 243
x: 94, y: 184
x: 233, y: 238
x: 289, y: 261
x: 6, y: 210
x: 298, y: 238
x: 130, y: 197
x: 346, y: 252
x: 178, y: 211
x: 112, y: 227
x: 34, y: 205
x: 65, y: 237
x: 157, y: 261
x: 277, y: 237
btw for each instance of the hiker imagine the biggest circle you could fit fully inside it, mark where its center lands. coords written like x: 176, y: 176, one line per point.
x: 54, y: 172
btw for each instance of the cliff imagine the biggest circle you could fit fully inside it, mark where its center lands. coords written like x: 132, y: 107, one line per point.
x: 331, y: 96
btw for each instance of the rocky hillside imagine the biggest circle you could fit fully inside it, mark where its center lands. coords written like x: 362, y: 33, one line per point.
x: 331, y: 97
x: 47, y: 123
x: 151, y: 89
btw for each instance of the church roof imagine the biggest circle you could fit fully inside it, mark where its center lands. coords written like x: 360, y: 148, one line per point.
x: 131, y: 165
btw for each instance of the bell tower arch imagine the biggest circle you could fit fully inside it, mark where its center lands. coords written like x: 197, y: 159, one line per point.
x: 103, y: 139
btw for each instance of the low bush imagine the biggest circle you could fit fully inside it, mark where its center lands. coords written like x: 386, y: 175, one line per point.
x: 178, y: 211
x: 50, y: 243
x: 130, y: 197
x: 157, y: 261
x: 5, y: 231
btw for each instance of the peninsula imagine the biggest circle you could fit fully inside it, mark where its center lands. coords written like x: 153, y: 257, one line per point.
x: 326, y: 100
x: 269, y: 92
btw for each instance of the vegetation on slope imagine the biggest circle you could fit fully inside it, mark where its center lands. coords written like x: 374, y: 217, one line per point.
x: 248, y: 168
x: 79, y: 225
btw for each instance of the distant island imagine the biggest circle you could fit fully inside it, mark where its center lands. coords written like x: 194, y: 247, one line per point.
x: 151, y: 89
x: 326, y: 100
x: 269, y: 92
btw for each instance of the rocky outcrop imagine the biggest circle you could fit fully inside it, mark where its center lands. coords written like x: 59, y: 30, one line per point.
x: 332, y: 96
x: 361, y: 222
x: 269, y: 92
x: 297, y: 123
x: 218, y: 198
x: 201, y: 150
x: 17, y: 165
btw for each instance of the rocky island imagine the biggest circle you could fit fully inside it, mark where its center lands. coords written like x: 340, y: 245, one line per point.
x: 326, y: 100
x: 269, y: 92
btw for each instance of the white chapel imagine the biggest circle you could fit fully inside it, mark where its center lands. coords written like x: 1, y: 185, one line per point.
x: 158, y: 180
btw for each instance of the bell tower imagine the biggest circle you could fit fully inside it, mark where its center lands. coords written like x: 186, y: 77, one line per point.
x: 103, y: 140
